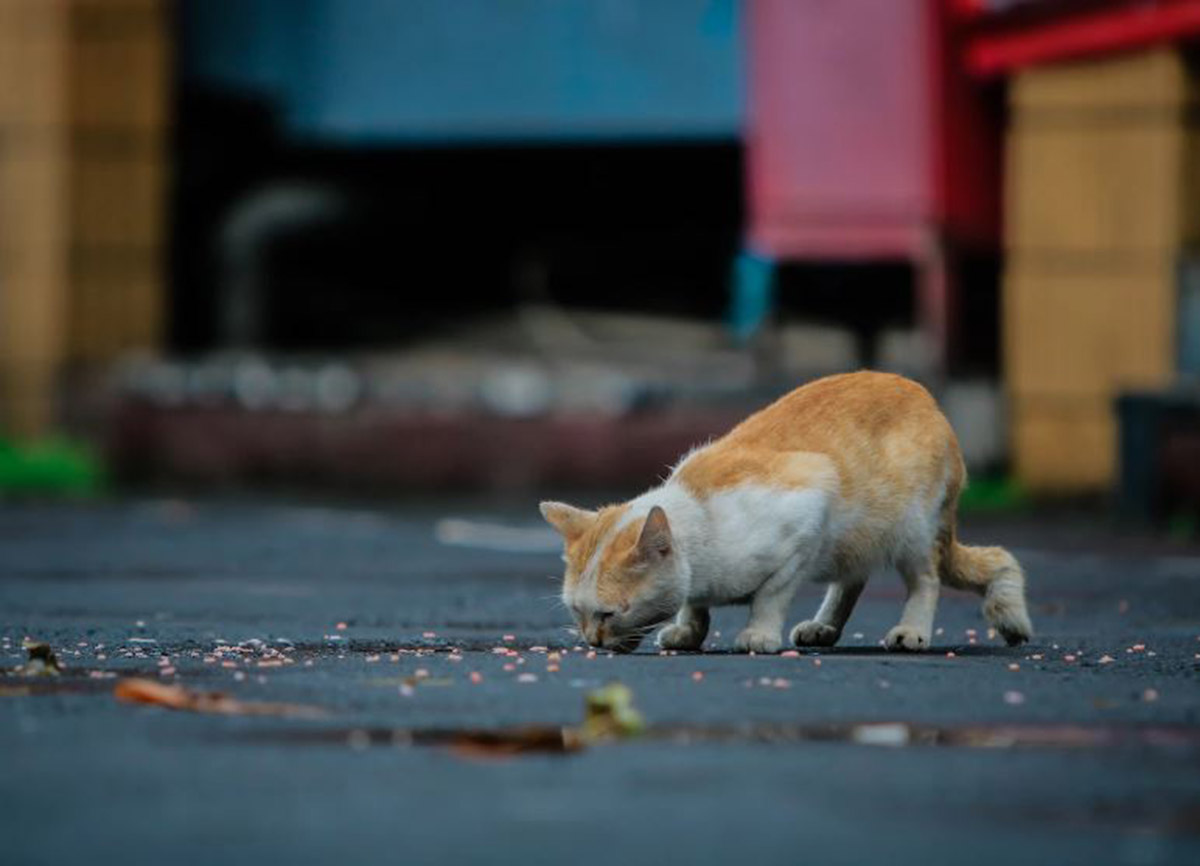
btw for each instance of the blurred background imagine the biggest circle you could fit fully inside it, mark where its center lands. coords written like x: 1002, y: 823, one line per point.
x: 402, y: 246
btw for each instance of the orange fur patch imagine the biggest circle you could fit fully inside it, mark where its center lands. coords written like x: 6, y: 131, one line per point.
x: 864, y: 424
x: 581, y: 550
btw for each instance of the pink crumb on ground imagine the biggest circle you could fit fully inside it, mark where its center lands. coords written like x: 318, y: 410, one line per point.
x: 1014, y: 698
x: 476, y: 677
x: 341, y: 626
x: 697, y: 676
x: 789, y: 654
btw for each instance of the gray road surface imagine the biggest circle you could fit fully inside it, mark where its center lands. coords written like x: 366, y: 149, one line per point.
x: 992, y: 755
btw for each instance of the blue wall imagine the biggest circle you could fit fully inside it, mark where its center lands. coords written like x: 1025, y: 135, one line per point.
x: 394, y: 71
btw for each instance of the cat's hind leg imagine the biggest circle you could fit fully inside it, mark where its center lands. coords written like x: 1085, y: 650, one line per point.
x: 825, y: 628
x: 916, y: 622
x: 688, y: 631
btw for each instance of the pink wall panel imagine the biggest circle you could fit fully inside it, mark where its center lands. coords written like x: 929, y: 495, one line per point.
x: 841, y: 127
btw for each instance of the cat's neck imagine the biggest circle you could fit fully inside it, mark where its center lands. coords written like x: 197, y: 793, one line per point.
x: 688, y: 518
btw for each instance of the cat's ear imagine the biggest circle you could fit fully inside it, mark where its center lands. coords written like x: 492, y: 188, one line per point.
x: 571, y: 522
x: 655, y: 542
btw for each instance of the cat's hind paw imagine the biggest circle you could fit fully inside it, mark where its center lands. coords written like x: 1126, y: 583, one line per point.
x: 813, y: 633
x: 906, y: 638
x: 680, y: 637
x: 754, y: 641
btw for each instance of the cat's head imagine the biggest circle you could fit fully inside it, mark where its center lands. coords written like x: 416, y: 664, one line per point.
x: 623, y: 573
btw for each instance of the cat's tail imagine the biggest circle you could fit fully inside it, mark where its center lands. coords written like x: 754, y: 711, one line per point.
x: 995, y: 574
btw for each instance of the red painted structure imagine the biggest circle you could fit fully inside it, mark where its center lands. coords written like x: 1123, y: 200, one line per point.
x: 1050, y: 31
x: 866, y: 140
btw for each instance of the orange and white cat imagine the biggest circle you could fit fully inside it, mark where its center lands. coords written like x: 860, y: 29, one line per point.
x: 838, y: 479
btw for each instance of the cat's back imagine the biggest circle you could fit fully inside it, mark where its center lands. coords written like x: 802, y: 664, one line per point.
x: 865, y: 404
x: 858, y: 424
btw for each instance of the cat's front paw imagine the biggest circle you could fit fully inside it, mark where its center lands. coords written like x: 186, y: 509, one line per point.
x: 906, y: 638
x: 680, y: 637
x: 754, y: 641
x: 813, y: 633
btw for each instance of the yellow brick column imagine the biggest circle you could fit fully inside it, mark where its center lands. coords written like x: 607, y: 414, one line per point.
x: 33, y: 211
x: 83, y: 126
x: 1097, y: 179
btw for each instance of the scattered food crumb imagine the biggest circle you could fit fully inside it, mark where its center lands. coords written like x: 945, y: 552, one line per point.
x: 1014, y: 698
x: 527, y: 678
x: 476, y: 677
x: 1150, y: 695
x: 341, y: 626
x: 697, y: 676
x: 789, y: 654
x: 1013, y: 666
x: 1106, y: 660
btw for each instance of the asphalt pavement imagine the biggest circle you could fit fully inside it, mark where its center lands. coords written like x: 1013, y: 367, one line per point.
x: 413, y: 647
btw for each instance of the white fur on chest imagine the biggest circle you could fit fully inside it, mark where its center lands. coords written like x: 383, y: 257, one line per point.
x: 749, y: 533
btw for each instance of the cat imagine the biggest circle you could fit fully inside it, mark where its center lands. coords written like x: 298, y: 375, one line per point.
x: 840, y: 478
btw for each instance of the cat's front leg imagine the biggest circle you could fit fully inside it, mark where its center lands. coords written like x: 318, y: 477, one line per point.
x: 825, y: 629
x: 769, y: 607
x: 688, y: 631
